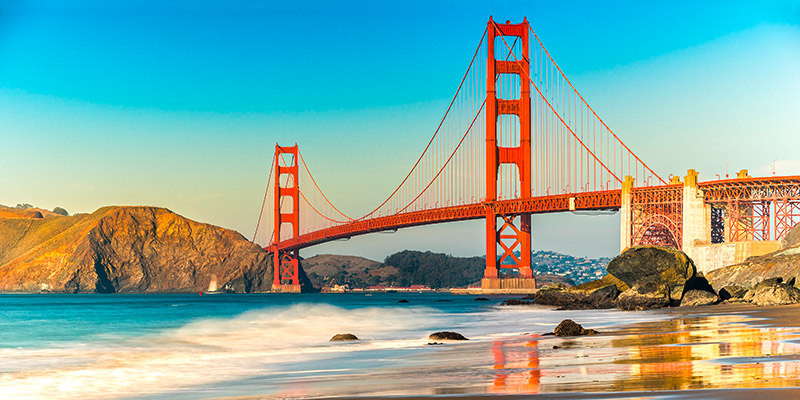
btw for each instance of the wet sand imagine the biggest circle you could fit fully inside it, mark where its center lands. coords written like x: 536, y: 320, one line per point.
x: 730, y: 351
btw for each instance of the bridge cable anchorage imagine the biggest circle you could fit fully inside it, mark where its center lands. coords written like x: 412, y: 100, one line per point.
x: 469, y: 67
x: 591, y: 109
x: 264, y: 202
x: 303, y: 161
x: 527, y: 73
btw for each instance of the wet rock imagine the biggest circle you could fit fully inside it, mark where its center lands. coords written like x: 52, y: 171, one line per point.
x: 481, y: 299
x: 515, y: 302
x: 664, y: 266
x: 343, y: 337
x: 569, y: 327
x: 577, y: 299
x: 446, y: 335
x: 402, y: 301
x: 696, y: 297
x: 732, y: 292
x: 644, y: 296
x: 776, y: 295
x: 434, y: 343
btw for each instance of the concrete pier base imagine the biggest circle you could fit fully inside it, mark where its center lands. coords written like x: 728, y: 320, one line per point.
x: 286, y: 288
x: 508, y: 283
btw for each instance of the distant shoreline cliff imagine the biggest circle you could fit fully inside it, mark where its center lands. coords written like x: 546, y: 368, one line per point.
x: 125, y: 250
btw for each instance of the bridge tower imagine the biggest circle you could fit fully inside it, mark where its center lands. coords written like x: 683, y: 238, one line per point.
x: 286, y: 263
x: 515, y: 232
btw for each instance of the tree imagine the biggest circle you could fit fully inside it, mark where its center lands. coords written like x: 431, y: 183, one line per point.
x: 60, y: 211
x: 23, y: 206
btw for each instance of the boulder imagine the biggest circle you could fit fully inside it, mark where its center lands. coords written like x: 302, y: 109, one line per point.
x: 768, y: 283
x: 402, y: 301
x: 481, y: 299
x: 343, y: 337
x: 664, y: 266
x: 644, y: 296
x: 776, y: 295
x: 445, y: 335
x: 695, y: 297
x: 733, y: 292
x: 569, y: 327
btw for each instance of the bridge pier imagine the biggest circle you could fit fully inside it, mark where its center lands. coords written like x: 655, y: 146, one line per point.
x: 286, y: 264
x: 514, y: 234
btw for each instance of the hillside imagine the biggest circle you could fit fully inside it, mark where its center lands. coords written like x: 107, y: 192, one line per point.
x: 404, y: 268
x: 127, y: 250
x: 330, y: 269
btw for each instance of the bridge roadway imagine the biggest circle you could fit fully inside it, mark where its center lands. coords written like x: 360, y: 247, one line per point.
x: 600, y: 200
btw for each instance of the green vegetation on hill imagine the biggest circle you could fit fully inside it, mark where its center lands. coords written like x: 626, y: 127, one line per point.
x: 436, y: 270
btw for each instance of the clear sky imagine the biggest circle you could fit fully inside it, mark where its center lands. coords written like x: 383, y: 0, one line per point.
x: 180, y: 103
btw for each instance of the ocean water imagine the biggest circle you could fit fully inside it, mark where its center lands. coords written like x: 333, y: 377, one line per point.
x: 181, y: 346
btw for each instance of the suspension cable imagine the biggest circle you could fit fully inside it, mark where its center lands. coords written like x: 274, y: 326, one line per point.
x: 527, y: 73
x: 266, y: 193
x: 317, y: 186
x: 434, y: 134
x: 590, y: 107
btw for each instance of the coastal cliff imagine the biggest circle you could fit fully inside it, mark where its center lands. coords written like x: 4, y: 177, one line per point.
x: 127, y: 250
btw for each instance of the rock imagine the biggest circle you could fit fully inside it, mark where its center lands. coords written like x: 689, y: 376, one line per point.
x: 576, y: 298
x: 644, y: 297
x: 446, y: 335
x: 434, y: 343
x: 605, y: 281
x: 779, y: 294
x: 515, y: 302
x: 732, y: 292
x: 481, y: 299
x: 661, y: 265
x: 792, y: 239
x: 696, y: 297
x: 343, y: 337
x: 129, y: 250
x: 402, y: 301
x: 553, y: 286
x: 768, y: 283
x: 569, y: 327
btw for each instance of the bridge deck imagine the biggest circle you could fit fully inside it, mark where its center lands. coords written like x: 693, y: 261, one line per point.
x: 600, y: 200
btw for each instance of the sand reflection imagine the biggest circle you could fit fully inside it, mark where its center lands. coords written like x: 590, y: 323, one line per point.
x: 685, y: 353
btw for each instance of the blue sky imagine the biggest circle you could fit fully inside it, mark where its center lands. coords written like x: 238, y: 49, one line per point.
x: 179, y: 103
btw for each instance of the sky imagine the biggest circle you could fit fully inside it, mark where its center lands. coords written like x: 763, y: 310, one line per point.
x: 179, y: 104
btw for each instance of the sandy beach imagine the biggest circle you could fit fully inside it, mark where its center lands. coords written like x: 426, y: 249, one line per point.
x: 725, y: 351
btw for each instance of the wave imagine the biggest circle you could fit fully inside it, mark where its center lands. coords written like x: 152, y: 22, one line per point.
x: 272, y: 341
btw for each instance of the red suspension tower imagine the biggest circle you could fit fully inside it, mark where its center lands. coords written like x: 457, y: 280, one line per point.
x: 515, y: 232
x: 286, y: 263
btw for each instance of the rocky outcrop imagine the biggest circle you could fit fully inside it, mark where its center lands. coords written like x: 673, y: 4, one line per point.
x: 694, y: 298
x: 446, y: 335
x: 662, y: 265
x: 577, y: 298
x: 773, y: 295
x: 732, y: 292
x: 128, y: 250
x: 783, y: 263
x: 569, y: 327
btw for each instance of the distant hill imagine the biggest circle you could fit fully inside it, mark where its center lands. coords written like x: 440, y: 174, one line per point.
x: 330, y: 269
x: 127, y: 250
x: 405, y: 268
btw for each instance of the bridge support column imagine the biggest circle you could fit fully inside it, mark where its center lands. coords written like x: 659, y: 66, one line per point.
x: 625, y: 214
x: 286, y: 264
x: 696, y: 220
x: 514, y: 234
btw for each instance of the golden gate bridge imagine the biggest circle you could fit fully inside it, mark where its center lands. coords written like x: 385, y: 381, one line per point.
x: 517, y: 139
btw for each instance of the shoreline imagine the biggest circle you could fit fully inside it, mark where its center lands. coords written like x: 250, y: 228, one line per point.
x: 726, y: 351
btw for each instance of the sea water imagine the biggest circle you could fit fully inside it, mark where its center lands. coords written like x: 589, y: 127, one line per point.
x: 187, y: 346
